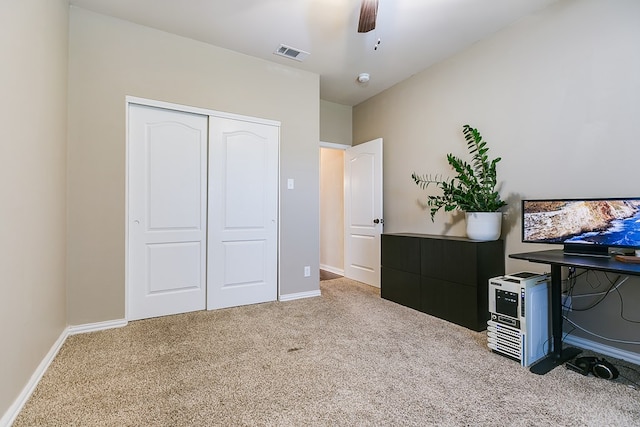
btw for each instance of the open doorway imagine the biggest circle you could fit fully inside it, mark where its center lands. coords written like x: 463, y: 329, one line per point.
x: 331, y: 210
x: 351, y: 201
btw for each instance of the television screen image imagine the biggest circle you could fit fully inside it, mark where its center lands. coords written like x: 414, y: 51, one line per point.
x: 596, y: 222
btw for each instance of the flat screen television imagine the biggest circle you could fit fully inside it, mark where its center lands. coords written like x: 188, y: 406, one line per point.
x: 583, y: 226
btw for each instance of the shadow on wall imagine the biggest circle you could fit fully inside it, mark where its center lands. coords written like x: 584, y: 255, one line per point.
x: 511, y: 213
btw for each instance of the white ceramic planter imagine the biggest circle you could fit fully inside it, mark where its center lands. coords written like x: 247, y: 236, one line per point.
x: 484, y: 226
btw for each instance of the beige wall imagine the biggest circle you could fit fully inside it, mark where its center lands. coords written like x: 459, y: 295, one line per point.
x: 110, y: 59
x: 555, y: 95
x: 33, y: 79
x: 332, y: 209
x: 335, y: 123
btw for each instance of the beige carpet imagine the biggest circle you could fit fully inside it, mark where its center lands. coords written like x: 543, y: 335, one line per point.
x: 348, y: 358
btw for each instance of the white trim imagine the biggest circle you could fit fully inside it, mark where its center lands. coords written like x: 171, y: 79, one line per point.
x: 99, y: 326
x: 334, y: 145
x: 127, y: 264
x: 603, y: 349
x: 198, y: 110
x: 300, y: 295
x: 13, y: 411
x: 333, y: 270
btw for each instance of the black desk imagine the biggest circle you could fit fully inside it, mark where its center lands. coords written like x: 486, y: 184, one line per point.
x: 557, y: 259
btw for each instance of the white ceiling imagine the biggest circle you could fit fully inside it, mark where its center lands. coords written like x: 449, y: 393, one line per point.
x: 414, y: 34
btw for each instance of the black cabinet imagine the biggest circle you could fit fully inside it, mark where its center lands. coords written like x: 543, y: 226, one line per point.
x: 443, y: 276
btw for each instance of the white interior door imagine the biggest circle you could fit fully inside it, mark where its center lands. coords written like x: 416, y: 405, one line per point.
x: 363, y: 212
x: 167, y: 212
x: 243, y: 213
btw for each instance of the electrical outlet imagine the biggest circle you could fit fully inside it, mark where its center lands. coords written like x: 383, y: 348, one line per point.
x: 307, y: 271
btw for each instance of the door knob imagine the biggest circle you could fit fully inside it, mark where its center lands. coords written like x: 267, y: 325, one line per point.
x: 378, y: 221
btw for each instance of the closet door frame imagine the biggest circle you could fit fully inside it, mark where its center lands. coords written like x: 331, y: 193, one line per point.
x: 129, y: 100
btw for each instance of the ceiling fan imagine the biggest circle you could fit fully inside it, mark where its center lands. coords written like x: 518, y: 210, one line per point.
x: 368, y: 14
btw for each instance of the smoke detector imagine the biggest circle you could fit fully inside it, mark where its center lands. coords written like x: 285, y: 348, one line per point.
x: 363, y: 77
x: 291, y: 53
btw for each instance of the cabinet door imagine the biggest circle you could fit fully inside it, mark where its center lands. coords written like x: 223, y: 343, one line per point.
x: 400, y: 271
x: 401, y: 287
x: 401, y: 253
x: 450, y: 260
x: 450, y: 301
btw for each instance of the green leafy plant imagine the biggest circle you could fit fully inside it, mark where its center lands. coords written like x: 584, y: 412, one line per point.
x: 473, y: 189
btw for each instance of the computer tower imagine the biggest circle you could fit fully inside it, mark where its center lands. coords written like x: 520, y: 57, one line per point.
x: 519, y: 326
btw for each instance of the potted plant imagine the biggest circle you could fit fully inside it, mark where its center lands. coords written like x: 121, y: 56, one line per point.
x: 472, y: 190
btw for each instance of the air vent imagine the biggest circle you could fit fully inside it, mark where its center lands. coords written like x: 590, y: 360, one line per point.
x: 291, y: 53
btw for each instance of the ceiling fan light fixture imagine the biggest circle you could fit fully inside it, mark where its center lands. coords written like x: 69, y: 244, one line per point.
x: 368, y: 14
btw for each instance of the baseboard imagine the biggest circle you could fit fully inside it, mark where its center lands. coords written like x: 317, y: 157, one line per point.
x: 604, y: 349
x: 300, y: 295
x: 98, y: 326
x: 333, y: 270
x: 12, y: 413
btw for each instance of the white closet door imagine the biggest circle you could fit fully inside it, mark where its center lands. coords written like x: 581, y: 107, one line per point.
x: 167, y: 212
x: 243, y: 213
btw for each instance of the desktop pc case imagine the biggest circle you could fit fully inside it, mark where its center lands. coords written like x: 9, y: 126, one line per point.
x: 519, y: 325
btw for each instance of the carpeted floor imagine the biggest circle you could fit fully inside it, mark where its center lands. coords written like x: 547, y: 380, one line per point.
x: 327, y: 275
x: 347, y: 358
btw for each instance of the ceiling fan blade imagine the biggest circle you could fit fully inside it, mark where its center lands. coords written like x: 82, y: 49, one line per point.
x: 368, y: 13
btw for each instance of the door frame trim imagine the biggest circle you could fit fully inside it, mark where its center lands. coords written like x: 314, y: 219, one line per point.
x: 343, y: 148
x: 334, y: 145
x: 133, y: 100
x: 197, y: 110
